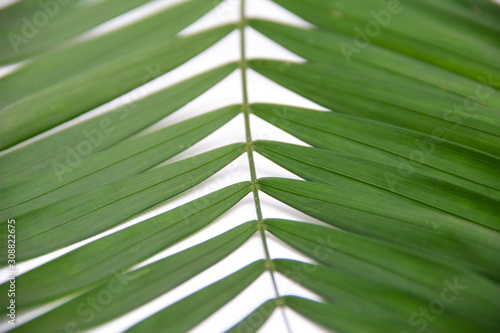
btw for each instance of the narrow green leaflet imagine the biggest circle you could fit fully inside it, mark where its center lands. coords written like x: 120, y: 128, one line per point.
x: 106, y: 129
x: 124, y: 248
x: 11, y: 15
x: 86, y: 91
x: 404, y: 105
x: 380, y: 214
x: 337, y: 318
x: 369, y: 298
x: 33, y: 27
x: 484, y: 13
x: 458, y: 47
x: 255, y: 320
x: 348, y: 290
x: 187, y: 313
x: 62, y: 63
x: 406, y: 150
x: 133, y: 289
x: 328, y: 167
x: 324, y: 47
x: 125, y: 159
x: 395, y: 267
x: 81, y: 216
x: 38, y: 27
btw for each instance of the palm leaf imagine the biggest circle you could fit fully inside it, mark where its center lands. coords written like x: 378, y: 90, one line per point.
x: 394, y: 190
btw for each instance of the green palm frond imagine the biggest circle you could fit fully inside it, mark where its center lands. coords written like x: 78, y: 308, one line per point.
x: 395, y: 191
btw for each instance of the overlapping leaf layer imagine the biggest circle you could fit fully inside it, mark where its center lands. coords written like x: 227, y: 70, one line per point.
x: 403, y: 169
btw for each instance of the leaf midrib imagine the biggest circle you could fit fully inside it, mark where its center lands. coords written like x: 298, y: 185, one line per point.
x: 249, y: 142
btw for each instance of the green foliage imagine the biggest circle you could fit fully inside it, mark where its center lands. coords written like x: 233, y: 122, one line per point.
x: 403, y: 170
